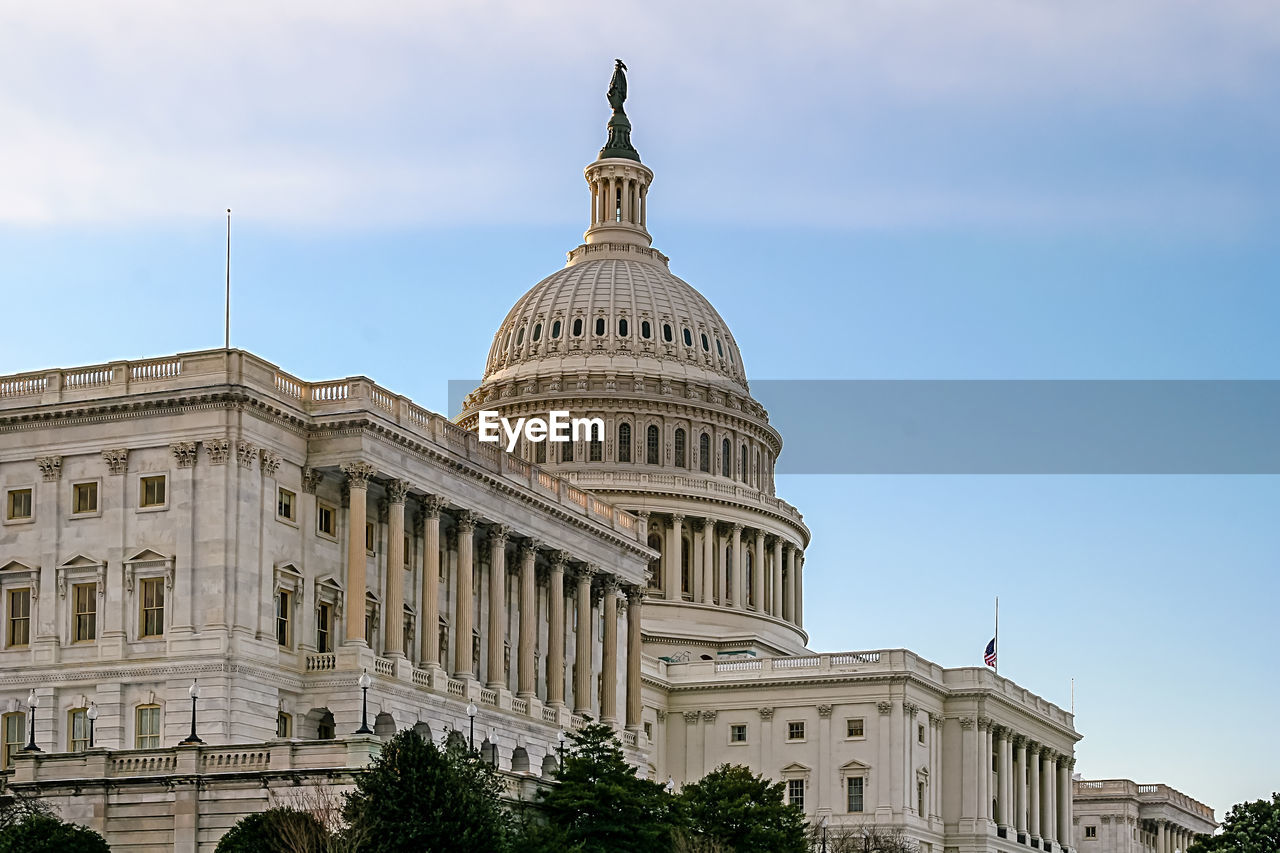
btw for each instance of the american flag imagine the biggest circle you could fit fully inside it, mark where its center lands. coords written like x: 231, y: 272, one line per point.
x: 989, y: 656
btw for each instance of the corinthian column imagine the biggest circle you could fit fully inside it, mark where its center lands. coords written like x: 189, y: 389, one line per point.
x: 463, y: 613
x: 555, y: 635
x: 609, y: 654
x: 358, y: 474
x: 430, y: 632
x: 789, y: 602
x: 799, y: 588
x: 525, y: 674
x: 675, y: 549
x: 1064, y: 802
x: 738, y: 598
x: 582, y: 684
x: 497, y: 604
x: 635, y: 595
x: 708, y: 561
x: 393, y: 641
x: 1033, y: 764
x: 1048, y: 796
x: 757, y: 573
x: 1020, y: 784
x: 775, y: 605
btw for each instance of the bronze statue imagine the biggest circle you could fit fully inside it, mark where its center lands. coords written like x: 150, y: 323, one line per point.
x: 619, y: 142
x: 618, y: 86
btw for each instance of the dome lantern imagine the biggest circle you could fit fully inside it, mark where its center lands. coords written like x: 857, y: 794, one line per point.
x: 619, y: 181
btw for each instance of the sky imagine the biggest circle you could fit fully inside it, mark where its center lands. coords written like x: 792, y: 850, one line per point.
x: 865, y: 190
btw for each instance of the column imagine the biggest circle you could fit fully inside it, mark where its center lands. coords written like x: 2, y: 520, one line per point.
x: 1162, y: 839
x: 1002, y: 780
x: 739, y: 597
x: 1034, y: 805
x: 1020, y: 784
x: 497, y: 605
x: 972, y: 789
x: 775, y: 608
x: 757, y: 572
x: 675, y: 547
x: 609, y: 653
x: 799, y: 605
x: 708, y: 561
x: 635, y: 595
x: 1068, y: 802
x: 358, y: 474
x: 555, y: 635
x: 582, y: 685
x: 525, y: 675
x: 465, y: 594
x: 695, y: 559
x: 988, y: 779
x: 393, y: 618
x: 1064, y: 802
x: 789, y: 600
x: 1049, y: 794
x: 430, y: 629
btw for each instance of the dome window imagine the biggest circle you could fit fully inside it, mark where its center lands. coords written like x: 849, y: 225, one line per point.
x: 624, y: 442
x: 646, y: 331
x: 520, y: 336
x: 688, y: 338
x: 742, y: 464
x: 719, y: 348
x: 622, y: 327
x: 537, y: 333
x: 599, y: 327
x: 704, y: 453
x: 706, y: 345
x: 726, y: 459
x: 651, y: 445
x: 666, y: 332
x: 507, y: 344
x: 577, y: 327
x: 555, y: 330
x: 680, y: 449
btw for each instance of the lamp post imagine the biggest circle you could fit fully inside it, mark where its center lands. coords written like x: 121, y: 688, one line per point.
x: 560, y: 747
x: 493, y: 745
x: 671, y: 785
x: 91, y: 715
x: 471, y: 738
x: 824, y: 834
x: 194, y: 692
x: 33, y: 702
x: 365, y: 682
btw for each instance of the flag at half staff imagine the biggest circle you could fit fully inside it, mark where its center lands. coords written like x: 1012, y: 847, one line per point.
x: 989, y: 656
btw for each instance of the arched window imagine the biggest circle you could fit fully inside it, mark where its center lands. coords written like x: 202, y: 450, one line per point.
x: 655, y: 566
x: 688, y: 338
x: 749, y: 581
x: 555, y: 330
x: 622, y: 327
x: 719, y: 348
x: 646, y: 331
x: 651, y: 445
x: 540, y: 452
x: 704, y: 453
x: 595, y: 448
x: 577, y: 327
x: 686, y: 570
x: 624, y: 442
x: 566, y: 451
x: 680, y: 449
x: 706, y: 346
x: 757, y: 471
x: 520, y: 336
x: 726, y: 459
x: 742, y: 463
x: 537, y: 332
x: 666, y: 332
x: 599, y: 327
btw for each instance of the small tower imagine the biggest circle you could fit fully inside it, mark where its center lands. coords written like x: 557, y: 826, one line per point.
x: 619, y: 181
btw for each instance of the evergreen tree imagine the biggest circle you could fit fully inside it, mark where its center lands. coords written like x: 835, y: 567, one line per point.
x: 45, y: 834
x: 742, y: 812
x: 1252, y: 827
x: 278, y: 830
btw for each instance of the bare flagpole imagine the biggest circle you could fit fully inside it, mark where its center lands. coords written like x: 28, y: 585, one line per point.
x: 997, y: 666
x: 228, y: 320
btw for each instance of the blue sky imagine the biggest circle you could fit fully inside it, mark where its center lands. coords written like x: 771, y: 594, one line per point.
x: 865, y: 190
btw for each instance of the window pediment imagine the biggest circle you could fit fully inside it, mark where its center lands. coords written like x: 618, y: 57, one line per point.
x: 148, y: 564
x: 82, y: 568
x: 18, y: 572
x: 795, y: 770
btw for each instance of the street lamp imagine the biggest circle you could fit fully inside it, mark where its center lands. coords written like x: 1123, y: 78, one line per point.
x: 471, y: 712
x: 91, y: 715
x: 560, y: 748
x: 365, y: 682
x: 194, y: 693
x: 33, y: 702
x: 493, y: 745
x: 671, y: 785
x: 824, y: 834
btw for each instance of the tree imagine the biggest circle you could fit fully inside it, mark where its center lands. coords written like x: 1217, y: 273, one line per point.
x: 16, y: 807
x: 41, y: 833
x: 277, y: 830
x: 1252, y: 827
x: 601, y: 804
x: 416, y: 796
x: 862, y: 838
x: 742, y: 812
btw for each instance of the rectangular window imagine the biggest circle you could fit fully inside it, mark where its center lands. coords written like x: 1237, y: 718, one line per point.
x: 286, y: 505
x: 370, y: 620
x: 19, y: 633
x: 324, y: 519
x: 84, y: 612
x: 920, y: 733
x: 84, y: 497
x: 738, y: 733
x: 795, y: 731
x: 284, y: 725
x: 795, y: 792
x: 15, y: 737
x: 324, y: 628
x: 147, y: 730
x: 920, y: 799
x: 407, y: 555
x: 596, y: 449
x: 370, y: 536
x: 152, y: 607
x: 855, y: 727
x: 151, y: 491
x: 1091, y: 832
x: 284, y: 600
x: 855, y: 793
x: 408, y: 633
x: 77, y: 730
x: 18, y: 504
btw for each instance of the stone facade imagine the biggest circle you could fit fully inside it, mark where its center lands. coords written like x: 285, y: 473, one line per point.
x: 1119, y: 816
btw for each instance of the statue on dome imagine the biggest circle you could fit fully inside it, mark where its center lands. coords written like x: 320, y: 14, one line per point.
x: 619, y: 142
x: 618, y: 85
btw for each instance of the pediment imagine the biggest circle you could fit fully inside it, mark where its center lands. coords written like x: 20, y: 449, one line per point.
x: 80, y: 561
x: 331, y: 582
x: 18, y: 566
x: 854, y: 765
x: 287, y: 567
x: 796, y: 767
x: 146, y: 555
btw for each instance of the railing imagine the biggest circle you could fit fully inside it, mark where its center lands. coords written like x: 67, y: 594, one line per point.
x: 236, y: 760
x: 855, y: 657
x: 322, y: 392
x: 738, y: 665
x: 384, y: 666
x: 134, y: 765
x: 382, y: 399
x: 629, y: 738
x: 22, y: 386
x: 796, y: 662
x: 90, y: 378
x: 286, y: 384
x: 149, y: 371
x: 325, y: 661
x: 457, y: 688
x: 520, y: 706
x: 578, y: 721
x: 488, y: 697
x: 549, y: 715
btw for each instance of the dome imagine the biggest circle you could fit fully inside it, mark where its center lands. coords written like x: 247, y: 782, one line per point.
x: 622, y: 314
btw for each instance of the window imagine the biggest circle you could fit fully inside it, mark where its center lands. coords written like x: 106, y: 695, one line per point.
x: 407, y: 639
x: 666, y: 332
x: 596, y: 449
x: 286, y: 505
x: 77, y: 730
x: 599, y: 326
x: 537, y: 332
x: 680, y: 449
x: 370, y: 623
x: 688, y: 338
x: 795, y: 730
x: 719, y: 348
x: 566, y: 451
x: 920, y: 734
x: 622, y: 327
x: 540, y: 453
x: 651, y: 445
x: 624, y: 442
x: 646, y: 330
x: 284, y: 725
x: 407, y: 554
x: 147, y: 728
x: 324, y: 519
x: 284, y: 600
x: 738, y: 733
x: 324, y: 627
x: 920, y: 799
x: 704, y: 453
x: 577, y: 327
x: 726, y: 459
x: 84, y: 612
x: 795, y: 792
x: 742, y: 464
x: 520, y: 336
x: 84, y: 497
x: 151, y: 622
x: 706, y: 345
x: 151, y: 491
x: 1091, y: 832
x: 18, y: 504
x: 15, y: 737
x: 855, y: 727
x: 854, y: 786
x: 325, y: 728
x: 19, y: 627
x: 555, y: 330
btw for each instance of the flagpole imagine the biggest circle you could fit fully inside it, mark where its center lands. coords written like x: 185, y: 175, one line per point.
x: 227, y: 326
x: 997, y: 666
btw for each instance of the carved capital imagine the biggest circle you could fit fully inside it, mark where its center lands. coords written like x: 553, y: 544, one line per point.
x: 709, y: 716
x: 529, y: 548
x: 967, y: 722
x: 635, y: 594
x: 766, y: 713
x: 884, y: 707
x: 397, y: 490
x: 498, y: 534
x: 824, y: 711
x: 358, y: 474
x: 117, y: 460
x: 677, y: 518
x: 465, y: 523
x: 270, y: 463
x: 310, y: 479
x: 219, y: 450
x: 736, y: 529
x: 50, y: 467
x: 910, y: 708
x: 184, y: 453
x: 559, y: 560
x: 246, y: 453
x: 611, y: 583
x: 431, y: 506
x: 691, y: 718
x: 661, y: 715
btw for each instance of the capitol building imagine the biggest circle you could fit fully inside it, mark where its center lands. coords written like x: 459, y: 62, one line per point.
x: 202, y: 554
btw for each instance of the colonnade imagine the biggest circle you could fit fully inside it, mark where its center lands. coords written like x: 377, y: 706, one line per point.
x: 1171, y: 838
x: 587, y: 583
x: 1023, y: 786
x: 720, y: 552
